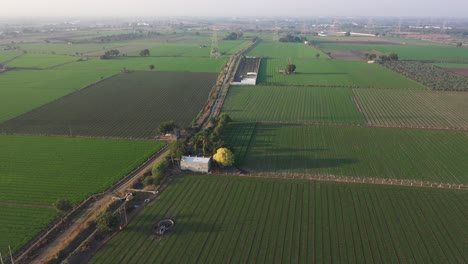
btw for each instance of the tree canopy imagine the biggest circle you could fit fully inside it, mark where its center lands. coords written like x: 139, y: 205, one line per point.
x: 224, y: 157
x: 167, y: 127
x: 290, y: 68
x: 145, y: 53
x: 63, y: 205
x: 107, y: 222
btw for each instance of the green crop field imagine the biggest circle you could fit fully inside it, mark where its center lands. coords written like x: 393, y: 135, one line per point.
x: 129, y: 105
x: 39, y: 170
x: 238, y: 136
x: 294, y: 104
x: 19, y: 224
x: 405, y: 52
x: 66, y: 49
x: 22, y: 91
x: 285, y: 51
x: 332, y: 73
x: 196, y: 64
x: 221, y: 219
x: 414, y: 108
x: 417, y: 154
x: 40, y: 61
x: 452, y: 65
x: 6, y: 55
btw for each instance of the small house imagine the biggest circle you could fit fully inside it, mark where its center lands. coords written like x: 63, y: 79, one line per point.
x: 195, y: 164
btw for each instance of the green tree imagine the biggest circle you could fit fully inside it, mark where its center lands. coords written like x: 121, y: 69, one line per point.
x: 317, y: 56
x: 107, y: 222
x: 371, y: 56
x: 63, y: 206
x: 167, y: 127
x: 151, y: 67
x: 393, y: 56
x: 224, y: 157
x: 290, y: 68
x: 177, y: 149
x: 459, y: 45
x: 145, y: 53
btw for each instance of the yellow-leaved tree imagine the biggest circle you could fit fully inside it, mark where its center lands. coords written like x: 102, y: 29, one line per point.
x: 224, y: 157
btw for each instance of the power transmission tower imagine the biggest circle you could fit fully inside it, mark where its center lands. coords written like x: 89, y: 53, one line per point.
x: 214, y: 45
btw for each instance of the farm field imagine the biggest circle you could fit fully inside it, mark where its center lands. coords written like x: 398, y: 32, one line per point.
x: 452, y: 65
x: 414, y: 107
x: 22, y: 91
x: 353, y: 151
x: 320, y: 72
x: 128, y: 105
x: 292, y: 104
x: 221, y: 219
x: 39, y: 170
x: 285, y: 51
x: 237, y: 136
x: 19, y: 224
x: 40, y: 61
x: 197, y: 64
x: 6, y: 55
x: 406, y: 52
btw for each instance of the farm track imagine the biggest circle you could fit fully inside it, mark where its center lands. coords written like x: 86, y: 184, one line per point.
x: 88, y: 210
x: 355, y: 180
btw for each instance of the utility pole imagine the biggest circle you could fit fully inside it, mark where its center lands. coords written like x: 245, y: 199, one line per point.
x: 214, y: 45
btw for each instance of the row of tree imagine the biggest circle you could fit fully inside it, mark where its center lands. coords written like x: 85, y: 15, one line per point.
x: 109, y: 54
x: 291, y: 38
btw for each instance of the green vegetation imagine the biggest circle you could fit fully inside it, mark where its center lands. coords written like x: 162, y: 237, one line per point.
x: 140, y: 102
x: 437, y: 156
x: 452, y: 65
x: 141, y: 64
x: 107, y: 222
x: 414, y: 107
x: 62, y: 206
x: 285, y: 51
x: 40, y: 61
x: 222, y: 219
x: 22, y: 91
x: 19, y: 224
x: 315, y: 72
x: 293, y: 104
x: 6, y: 55
x: 406, y: 52
x: 429, y: 75
x: 224, y: 157
x: 40, y: 170
x: 237, y: 137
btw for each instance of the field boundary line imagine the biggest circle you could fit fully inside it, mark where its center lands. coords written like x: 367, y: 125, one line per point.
x: 363, y: 125
x: 346, y: 179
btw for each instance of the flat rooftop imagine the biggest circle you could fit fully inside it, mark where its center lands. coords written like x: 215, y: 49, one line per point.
x: 196, y: 159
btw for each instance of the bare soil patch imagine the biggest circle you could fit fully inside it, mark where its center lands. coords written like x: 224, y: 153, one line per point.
x: 345, y: 54
x: 462, y: 71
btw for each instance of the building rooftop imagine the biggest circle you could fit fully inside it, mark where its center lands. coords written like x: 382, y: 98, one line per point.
x: 196, y: 159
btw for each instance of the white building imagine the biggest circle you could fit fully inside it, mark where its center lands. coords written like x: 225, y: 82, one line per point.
x: 196, y: 164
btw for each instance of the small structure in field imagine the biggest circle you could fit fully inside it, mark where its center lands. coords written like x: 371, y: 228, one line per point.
x: 195, y: 164
x: 163, y: 226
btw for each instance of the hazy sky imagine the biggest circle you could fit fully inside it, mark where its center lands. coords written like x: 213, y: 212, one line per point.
x: 74, y: 8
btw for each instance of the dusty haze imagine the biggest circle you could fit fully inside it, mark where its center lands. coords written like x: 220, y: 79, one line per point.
x: 21, y: 8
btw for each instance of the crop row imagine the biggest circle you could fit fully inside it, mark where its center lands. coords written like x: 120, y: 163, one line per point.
x: 429, y: 75
x: 238, y: 136
x: 42, y: 169
x: 129, y: 105
x: 414, y: 107
x: 239, y: 220
x: 293, y: 104
x: 18, y: 224
x: 362, y: 152
x: 339, y: 73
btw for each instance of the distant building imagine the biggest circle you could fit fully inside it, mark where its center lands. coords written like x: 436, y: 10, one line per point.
x: 195, y: 164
